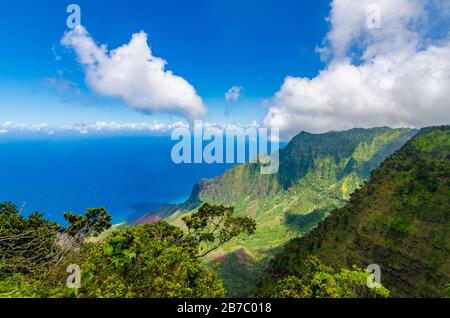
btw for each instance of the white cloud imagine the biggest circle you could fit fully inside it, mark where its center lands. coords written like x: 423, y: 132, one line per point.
x: 349, y: 27
x: 132, y: 73
x: 9, y: 126
x: 113, y: 127
x: 397, y: 75
x: 223, y: 127
x: 234, y: 93
x: 90, y: 128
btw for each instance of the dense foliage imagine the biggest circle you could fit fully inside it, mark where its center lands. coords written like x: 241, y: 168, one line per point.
x: 320, y: 281
x: 25, y: 243
x: 399, y: 220
x: 94, y: 222
x: 151, y: 260
x: 216, y: 225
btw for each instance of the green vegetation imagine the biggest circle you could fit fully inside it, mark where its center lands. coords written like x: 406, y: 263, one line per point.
x: 24, y: 243
x: 399, y: 220
x: 151, y: 260
x: 335, y: 222
x: 320, y: 281
x: 318, y: 173
x: 93, y: 223
x: 216, y: 225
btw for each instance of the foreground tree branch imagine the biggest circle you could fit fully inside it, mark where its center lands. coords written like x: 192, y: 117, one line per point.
x: 216, y: 225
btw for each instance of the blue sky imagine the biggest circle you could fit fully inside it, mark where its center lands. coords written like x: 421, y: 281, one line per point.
x: 300, y: 65
x: 213, y: 44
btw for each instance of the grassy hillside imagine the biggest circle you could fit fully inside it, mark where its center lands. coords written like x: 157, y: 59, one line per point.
x: 317, y: 174
x: 399, y: 220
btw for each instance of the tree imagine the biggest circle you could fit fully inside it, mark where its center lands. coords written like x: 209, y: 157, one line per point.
x: 153, y: 260
x: 321, y: 281
x: 25, y: 243
x: 161, y: 260
x: 215, y: 225
x: 33, y: 250
x: 94, y: 222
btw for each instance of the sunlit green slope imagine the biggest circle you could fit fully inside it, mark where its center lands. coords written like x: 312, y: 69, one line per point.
x: 317, y: 174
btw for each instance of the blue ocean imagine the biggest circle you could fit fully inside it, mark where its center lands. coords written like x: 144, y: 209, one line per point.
x: 126, y: 175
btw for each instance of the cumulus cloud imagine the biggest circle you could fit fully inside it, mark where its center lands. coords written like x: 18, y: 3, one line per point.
x: 132, y: 73
x: 234, y: 93
x: 396, y: 75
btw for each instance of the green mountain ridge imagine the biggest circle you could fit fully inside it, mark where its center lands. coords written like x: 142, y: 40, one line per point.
x: 317, y: 174
x: 399, y: 220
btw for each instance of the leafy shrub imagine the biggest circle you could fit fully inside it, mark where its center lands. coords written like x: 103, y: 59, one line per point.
x: 152, y: 260
x: 320, y: 281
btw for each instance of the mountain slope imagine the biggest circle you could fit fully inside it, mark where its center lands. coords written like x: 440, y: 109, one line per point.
x: 317, y: 174
x: 399, y: 220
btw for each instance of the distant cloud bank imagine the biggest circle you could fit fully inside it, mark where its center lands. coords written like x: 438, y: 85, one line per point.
x: 396, y: 75
x: 90, y: 128
x: 109, y: 127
